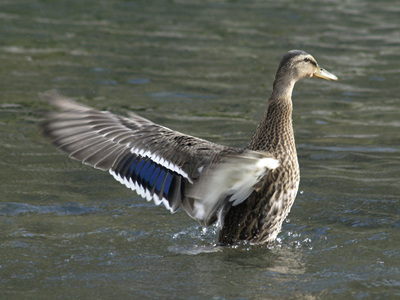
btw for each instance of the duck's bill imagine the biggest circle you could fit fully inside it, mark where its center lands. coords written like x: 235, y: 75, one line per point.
x: 324, y: 74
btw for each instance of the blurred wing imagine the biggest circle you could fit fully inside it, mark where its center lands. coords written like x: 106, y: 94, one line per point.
x: 151, y: 159
x: 229, y: 183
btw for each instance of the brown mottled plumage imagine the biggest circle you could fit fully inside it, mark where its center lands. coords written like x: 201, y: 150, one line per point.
x: 249, y: 191
x: 259, y: 218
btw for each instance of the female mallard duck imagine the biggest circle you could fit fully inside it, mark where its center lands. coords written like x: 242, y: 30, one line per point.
x: 249, y: 191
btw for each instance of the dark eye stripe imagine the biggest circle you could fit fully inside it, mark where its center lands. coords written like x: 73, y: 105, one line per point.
x: 310, y: 61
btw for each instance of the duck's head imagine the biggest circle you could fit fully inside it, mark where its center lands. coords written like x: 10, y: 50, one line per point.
x: 297, y: 64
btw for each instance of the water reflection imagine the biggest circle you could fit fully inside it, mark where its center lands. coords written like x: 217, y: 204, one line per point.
x: 265, y: 270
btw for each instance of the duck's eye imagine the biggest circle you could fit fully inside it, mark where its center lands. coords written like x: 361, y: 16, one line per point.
x: 307, y: 59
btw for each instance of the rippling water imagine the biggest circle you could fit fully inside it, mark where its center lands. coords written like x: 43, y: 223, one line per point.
x: 203, y: 68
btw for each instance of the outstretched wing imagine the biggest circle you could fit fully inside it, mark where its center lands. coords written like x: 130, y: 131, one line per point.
x: 151, y: 159
x: 158, y: 163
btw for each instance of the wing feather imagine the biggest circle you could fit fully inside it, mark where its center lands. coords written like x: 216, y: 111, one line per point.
x: 160, y: 164
x: 131, y: 149
x: 229, y: 183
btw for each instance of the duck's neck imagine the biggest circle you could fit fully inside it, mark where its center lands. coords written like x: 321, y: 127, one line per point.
x: 275, y: 131
x: 282, y: 88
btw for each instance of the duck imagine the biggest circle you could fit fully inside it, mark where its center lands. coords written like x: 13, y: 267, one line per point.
x: 248, y: 192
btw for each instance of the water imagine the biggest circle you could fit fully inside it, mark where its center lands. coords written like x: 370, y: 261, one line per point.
x: 203, y: 68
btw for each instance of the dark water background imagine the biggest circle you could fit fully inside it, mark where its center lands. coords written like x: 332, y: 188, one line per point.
x: 203, y: 68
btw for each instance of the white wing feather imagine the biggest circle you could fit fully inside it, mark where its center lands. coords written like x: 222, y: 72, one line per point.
x: 232, y: 180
